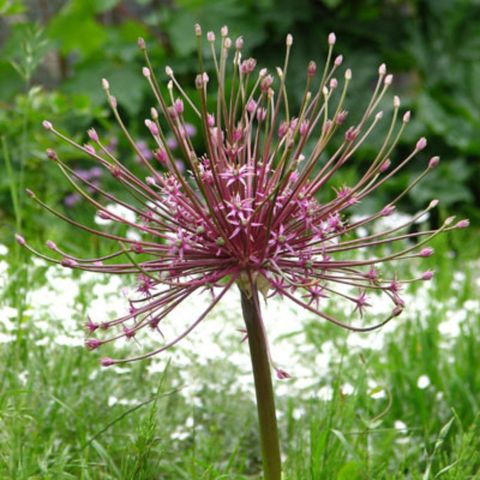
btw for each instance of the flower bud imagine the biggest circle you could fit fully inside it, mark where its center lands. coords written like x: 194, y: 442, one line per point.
x: 92, y: 343
x: 332, y: 39
x: 107, y: 362
x: 387, y: 210
x: 421, y: 144
x: 289, y: 40
x: 141, y: 43
x: 338, y: 61
x: 463, y: 223
x: 68, y: 262
x: 427, y: 275
x: 426, y: 252
x: 105, y: 84
x: 51, y: 245
x: 406, y: 117
x: 210, y: 36
x: 385, y: 165
x: 51, y: 154
x: 239, y: 43
x: 20, y: 240
x: 47, y: 125
x: 433, y: 162
x: 92, y: 134
x: 312, y: 68
x: 198, y: 30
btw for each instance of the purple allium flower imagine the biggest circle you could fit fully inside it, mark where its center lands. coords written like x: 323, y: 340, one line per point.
x: 255, y: 208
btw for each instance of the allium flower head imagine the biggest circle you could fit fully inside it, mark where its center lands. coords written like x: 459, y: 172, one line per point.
x: 256, y: 207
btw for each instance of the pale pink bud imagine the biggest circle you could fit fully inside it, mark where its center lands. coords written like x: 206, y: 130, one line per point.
x: 92, y: 343
x: 333, y: 83
x: 385, y: 165
x: 282, y: 129
x: 348, y: 74
x: 92, y: 134
x: 289, y: 40
x: 146, y: 72
x: 227, y: 43
x: 382, y: 69
x: 426, y: 252
x: 351, y: 134
x: 463, y: 223
x: 261, y: 114
x: 251, y: 106
x: 68, y: 262
x: 433, y: 162
x: 152, y: 127
x: 433, y: 203
x: 304, y: 127
x: 20, y: 240
x: 266, y: 83
x: 421, y: 144
x: 332, y: 39
x: 396, y: 101
x: 198, y: 30
x: 105, y: 84
x: 340, y: 118
x: 169, y: 71
x: 150, y: 181
x: 154, y: 113
x: 327, y: 126
x: 210, y: 36
x: 107, y: 362
x: 141, y: 43
x: 248, y: 66
x: 338, y: 60
x: 211, y: 120
x: 282, y: 374
x: 51, y: 154
x: 113, y: 101
x: 312, y: 68
x: 239, y: 43
x: 161, y: 156
x: 30, y: 193
x: 224, y: 31
x: 427, y: 275
x: 47, y: 125
x: 406, y: 116
x: 51, y: 245
x: 179, y: 106
x: 201, y: 80
x: 388, y: 79
x: 387, y: 210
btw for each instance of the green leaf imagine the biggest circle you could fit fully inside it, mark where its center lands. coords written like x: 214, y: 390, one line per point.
x: 76, y: 33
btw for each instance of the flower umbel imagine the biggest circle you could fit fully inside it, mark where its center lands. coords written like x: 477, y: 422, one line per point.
x: 255, y: 208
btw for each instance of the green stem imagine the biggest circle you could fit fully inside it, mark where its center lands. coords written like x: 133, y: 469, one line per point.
x: 263, y: 386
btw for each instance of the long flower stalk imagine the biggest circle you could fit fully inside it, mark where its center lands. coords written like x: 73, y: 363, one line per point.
x: 257, y: 341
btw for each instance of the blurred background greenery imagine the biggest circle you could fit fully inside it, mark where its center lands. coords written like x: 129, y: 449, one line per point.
x: 54, y: 53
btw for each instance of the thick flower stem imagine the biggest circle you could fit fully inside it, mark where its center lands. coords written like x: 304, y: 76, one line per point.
x: 263, y: 387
